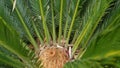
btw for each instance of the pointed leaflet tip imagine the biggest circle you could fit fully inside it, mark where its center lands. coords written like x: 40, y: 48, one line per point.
x: 14, y: 4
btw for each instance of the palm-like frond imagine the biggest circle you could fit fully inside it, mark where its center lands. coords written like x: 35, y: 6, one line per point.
x: 108, y: 39
x: 91, y: 19
x: 99, y: 63
x: 87, y: 26
x: 6, y: 59
x: 11, y: 41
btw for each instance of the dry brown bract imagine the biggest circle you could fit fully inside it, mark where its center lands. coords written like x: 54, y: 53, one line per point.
x: 53, y: 57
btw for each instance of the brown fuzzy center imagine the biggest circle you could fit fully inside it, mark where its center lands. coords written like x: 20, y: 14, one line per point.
x: 53, y: 57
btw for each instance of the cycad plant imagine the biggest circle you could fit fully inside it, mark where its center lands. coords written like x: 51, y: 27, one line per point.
x: 60, y: 33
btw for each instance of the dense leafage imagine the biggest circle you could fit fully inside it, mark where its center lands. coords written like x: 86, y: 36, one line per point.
x: 84, y: 33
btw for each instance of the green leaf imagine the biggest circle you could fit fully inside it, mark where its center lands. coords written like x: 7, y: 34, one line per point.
x: 94, y: 12
x: 60, y: 21
x: 46, y: 31
x: 4, y: 58
x: 82, y: 64
x: 10, y: 40
x: 23, y: 21
x: 53, y: 22
x: 37, y: 32
x: 73, y: 19
x: 107, y: 42
x: 111, y: 62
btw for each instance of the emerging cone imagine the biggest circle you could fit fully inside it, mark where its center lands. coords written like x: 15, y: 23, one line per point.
x: 53, y: 57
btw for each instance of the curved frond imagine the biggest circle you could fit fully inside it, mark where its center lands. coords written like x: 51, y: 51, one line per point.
x: 10, y: 40
x: 94, y: 12
x: 5, y: 59
x: 108, y: 39
x: 98, y: 63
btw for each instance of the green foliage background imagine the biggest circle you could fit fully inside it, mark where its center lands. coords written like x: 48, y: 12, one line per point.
x: 91, y: 26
